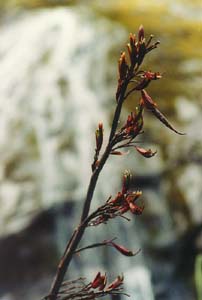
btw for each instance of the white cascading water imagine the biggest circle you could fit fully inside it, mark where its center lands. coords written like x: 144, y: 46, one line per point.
x: 47, y: 105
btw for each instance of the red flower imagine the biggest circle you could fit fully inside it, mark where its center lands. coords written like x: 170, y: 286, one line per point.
x: 123, y: 66
x: 130, y: 199
x: 133, y: 124
x: 99, y: 281
x: 116, y: 283
x: 152, y: 76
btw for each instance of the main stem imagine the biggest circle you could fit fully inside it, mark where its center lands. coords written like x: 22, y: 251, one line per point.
x: 79, y: 231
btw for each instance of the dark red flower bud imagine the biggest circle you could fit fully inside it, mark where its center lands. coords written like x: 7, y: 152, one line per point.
x: 122, y: 249
x: 133, y: 49
x: 99, y: 281
x: 103, y: 282
x: 146, y: 153
x: 141, y: 34
x: 152, y: 106
x: 96, y: 282
x: 123, y: 66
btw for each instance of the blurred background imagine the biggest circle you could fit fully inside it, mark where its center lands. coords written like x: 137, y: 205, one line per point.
x: 58, y: 76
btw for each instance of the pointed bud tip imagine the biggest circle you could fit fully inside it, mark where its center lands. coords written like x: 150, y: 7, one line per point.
x: 141, y: 33
x: 100, y: 125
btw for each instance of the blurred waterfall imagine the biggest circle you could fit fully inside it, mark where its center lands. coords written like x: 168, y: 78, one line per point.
x: 57, y: 82
x: 49, y: 110
x: 54, y: 90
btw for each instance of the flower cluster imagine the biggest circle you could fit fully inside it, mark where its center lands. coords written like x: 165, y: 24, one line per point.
x: 98, y: 287
x: 146, y: 77
x: 124, y: 201
x: 132, y: 128
x: 137, y: 49
x: 134, y: 124
x: 100, y: 283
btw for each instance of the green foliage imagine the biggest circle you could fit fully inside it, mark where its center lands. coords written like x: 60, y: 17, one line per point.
x: 198, y: 276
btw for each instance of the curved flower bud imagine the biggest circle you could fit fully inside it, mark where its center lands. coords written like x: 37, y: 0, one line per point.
x: 146, y: 153
x: 122, y: 249
x: 152, y: 106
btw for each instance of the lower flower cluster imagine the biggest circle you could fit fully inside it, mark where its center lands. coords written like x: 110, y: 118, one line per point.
x: 98, y: 287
